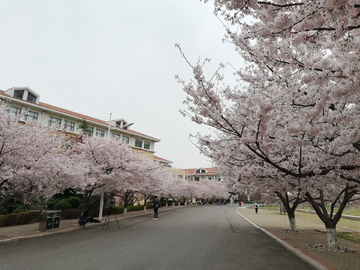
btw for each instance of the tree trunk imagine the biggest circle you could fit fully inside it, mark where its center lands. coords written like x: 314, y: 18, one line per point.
x: 330, y: 219
x: 290, y: 210
x: 292, y: 223
x: 332, y: 239
x: 145, y: 208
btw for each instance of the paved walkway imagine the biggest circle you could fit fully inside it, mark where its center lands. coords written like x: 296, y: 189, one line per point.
x: 302, y: 242
x: 28, y: 231
x: 271, y: 222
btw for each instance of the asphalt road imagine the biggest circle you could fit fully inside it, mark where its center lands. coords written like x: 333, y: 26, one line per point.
x: 196, y: 237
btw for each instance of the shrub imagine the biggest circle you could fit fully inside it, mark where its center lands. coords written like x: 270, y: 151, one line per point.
x: 116, y: 210
x: 70, y: 213
x: 51, y: 204
x: 62, y: 204
x: 75, y: 202
x: 135, y: 207
x: 19, y: 218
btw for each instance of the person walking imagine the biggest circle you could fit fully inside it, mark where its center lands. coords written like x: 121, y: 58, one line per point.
x: 256, y: 208
x: 156, y: 207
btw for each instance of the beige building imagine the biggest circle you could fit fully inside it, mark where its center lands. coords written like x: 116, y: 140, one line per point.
x: 166, y: 164
x: 24, y: 99
x: 199, y: 174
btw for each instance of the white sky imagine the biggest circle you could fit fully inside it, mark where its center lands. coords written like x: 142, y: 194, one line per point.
x: 115, y: 56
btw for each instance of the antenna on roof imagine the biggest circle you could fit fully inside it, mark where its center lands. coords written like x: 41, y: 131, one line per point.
x: 108, y: 135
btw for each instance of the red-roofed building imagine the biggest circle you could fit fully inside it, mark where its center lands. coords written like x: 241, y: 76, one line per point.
x: 198, y: 174
x: 24, y: 99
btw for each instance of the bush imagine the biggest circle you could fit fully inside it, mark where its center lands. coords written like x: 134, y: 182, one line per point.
x: 70, y: 213
x: 135, y: 207
x: 75, y: 202
x: 19, y: 219
x: 62, y: 204
x: 116, y: 210
x: 51, y: 204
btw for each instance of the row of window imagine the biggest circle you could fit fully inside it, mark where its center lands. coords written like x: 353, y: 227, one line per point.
x: 29, y: 116
x: 70, y: 127
x: 197, y: 178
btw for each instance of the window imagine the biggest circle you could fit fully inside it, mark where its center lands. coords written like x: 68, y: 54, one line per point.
x: 180, y: 176
x: 138, y: 143
x: 197, y: 178
x: 54, y: 122
x: 116, y: 136
x: 69, y: 126
x: 89, y: 131
x: 147, y: 145
x: 19, y: 93
x: 126, y: 140
x: 15, y: 110
x: 31, y: 97
x: 100, y: 133
x: 200, y: 171
x: 118, y: 124
x: 31, y: 115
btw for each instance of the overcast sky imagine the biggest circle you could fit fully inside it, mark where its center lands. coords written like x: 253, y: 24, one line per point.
x: 115, y: 56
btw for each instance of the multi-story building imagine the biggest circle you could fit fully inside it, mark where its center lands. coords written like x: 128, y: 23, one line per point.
x: 199, y: 174
x: 166, y: 164
x: 24, y: 99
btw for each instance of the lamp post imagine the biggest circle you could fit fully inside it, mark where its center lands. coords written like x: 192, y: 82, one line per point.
x: 102, y: 193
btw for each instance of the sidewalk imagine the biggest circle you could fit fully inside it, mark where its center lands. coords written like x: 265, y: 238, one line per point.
x: 302, y: 242
x: 28, y: 231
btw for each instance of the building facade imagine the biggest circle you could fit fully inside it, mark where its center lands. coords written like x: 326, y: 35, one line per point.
x: 27, y: 101
x: 166, y: 164
x: 199, y: 174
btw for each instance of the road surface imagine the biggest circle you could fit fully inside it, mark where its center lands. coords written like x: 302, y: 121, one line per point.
x: 194, y: 237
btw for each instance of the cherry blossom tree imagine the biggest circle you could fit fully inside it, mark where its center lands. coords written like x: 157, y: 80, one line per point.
x: 31, y: 157
x: 297, y: 112
x: 155, y: 180
x: 109, y: 166
x: 192, y: 191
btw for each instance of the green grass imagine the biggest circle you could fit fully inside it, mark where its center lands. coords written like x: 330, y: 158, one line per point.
x: 352, y: 212
x: 353, y: 237
x: 347, y: 211
x: 343, y: 223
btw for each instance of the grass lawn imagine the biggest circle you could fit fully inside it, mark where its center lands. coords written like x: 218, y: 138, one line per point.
x: 354, y: 237
x: 342, y: 224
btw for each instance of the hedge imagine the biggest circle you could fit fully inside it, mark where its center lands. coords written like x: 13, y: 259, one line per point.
x: 34, y: 217
x: 19, y: 218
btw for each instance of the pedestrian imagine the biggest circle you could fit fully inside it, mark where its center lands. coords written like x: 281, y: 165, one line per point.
x: 156, y: 207
x: 256, y: 208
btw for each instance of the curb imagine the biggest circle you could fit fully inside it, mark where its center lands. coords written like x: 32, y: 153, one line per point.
x: 293, y: 250
x: 59, y: 231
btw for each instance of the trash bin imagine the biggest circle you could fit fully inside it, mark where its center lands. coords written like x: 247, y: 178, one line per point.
x: 50, y: 220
